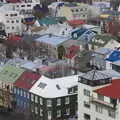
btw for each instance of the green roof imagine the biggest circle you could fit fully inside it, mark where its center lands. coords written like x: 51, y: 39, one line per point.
x: 10, y: 73
x: 47, y: 21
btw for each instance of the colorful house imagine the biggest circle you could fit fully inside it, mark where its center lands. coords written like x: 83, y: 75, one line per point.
x: 21, y: 90
x: 9, y: 75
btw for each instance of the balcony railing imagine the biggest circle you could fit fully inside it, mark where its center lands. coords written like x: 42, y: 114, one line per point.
x: 93, y: 99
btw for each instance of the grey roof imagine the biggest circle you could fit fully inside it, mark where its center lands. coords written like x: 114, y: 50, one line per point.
x: 30, y: 37
x: 116, y: 63
x: 95, y: 75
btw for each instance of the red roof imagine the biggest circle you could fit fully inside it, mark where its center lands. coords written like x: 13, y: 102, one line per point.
x: 72, y: 51
x: 75, y: 23
x: 14, y: 37
x: 26, y: 80
x: 112, y: 90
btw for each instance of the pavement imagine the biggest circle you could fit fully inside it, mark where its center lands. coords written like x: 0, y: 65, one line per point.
x: 11, y: 116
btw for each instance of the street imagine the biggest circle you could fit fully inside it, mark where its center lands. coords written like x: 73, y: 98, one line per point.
x: 12, y: 116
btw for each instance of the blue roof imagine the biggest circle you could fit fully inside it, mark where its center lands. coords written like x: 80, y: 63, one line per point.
x: 52, y: 39
x: 114, y: 56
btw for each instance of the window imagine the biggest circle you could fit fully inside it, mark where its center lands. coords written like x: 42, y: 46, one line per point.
x: 32, y: 97
x: 101, y: 97
x: 12, y: 27
x: 36, y: 99
x: 49, y: 115
x: 28, y: 95
x: 67, y: 101
x: 98, y: 108
x: 41, y: 101
x: 86, y: 92
x: 6, y: 15
x: 68, y: 111
x: 41, y: 112
x: 59, y: 101
x: 21, y: 92
x: 24, y: 94
x: 86, y: 116
x: 18, y: 91
x: 36, y: 110
x: 49, y: 103
x: 14, y: 90
x: 42, y: 85
x: 22, y: 5
x: 32, y: 108
x: 98, y: 119
x: 87, y: 104
x: 17, y: 21
x: 28, y: 5
x: 12, y: 21
x: 111, y: 113
x: 58, y: 113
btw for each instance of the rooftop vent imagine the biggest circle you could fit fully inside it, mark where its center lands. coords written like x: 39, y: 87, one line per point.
x: 58, y: 87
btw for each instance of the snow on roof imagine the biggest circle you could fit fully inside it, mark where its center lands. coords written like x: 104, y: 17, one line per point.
x: 54, y: 5
x: 103, y: 51
x: 112, y: 44
x: 52, y: 39
x: 53, y: 88
x: 90, y: 26
x: 116, y: 63
x: 57, y: 30
x: 32, y: 65
x: 112, y: 73
x: 16, y: 61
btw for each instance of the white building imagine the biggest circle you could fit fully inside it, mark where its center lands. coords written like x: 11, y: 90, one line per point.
x: 11, y: 16
x: 88, y: 107
x: 74, y: 11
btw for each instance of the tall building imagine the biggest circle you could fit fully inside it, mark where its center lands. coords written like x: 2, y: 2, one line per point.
x: 54, y: 99
x: 88, y: 82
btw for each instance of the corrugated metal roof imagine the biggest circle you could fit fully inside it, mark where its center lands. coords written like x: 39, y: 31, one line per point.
x: 111, y: 90
x: 26, y: 80
x: 10, y: 73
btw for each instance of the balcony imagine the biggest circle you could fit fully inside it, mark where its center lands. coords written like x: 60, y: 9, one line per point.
x: 92, y: 99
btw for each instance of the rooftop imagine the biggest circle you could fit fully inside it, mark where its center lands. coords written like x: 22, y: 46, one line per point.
x: 52, y: 39
x: 75, y: 23
x: 114, y: 56
x: 10, y: 73
x: 58, y: 87
x: 111, y: 90
x: 26, y: 80
x: 95, y: 75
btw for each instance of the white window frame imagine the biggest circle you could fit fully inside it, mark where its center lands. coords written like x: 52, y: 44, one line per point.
x: 49, y: 115
x: 49, y: 103
x: 36, y: 110
x: 25, y: 94
x: 32, y: 97
x: 58, y: 101
x: 41, y: 101
x: 98, y: 108
x: 36, y: 99
x: 68, y: 111
x: 41, y: 112
x: 58, y: 113
x: 67, y: 100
